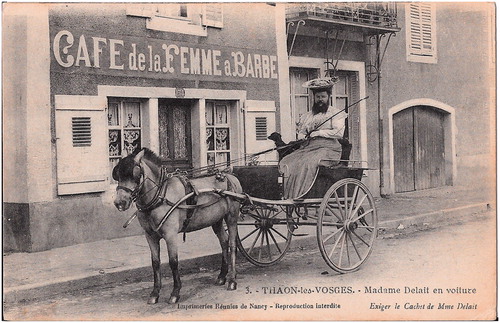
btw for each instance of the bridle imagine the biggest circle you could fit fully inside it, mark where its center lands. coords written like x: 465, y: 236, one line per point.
x: 159, y: 195
x: 134, y: 193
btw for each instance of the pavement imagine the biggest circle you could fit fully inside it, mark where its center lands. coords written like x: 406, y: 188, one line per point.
x: 48, y: 273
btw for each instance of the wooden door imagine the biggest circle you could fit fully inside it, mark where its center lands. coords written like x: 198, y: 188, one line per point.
x: 419, y: 161
x: 174, y: 119
x: 429, y: 148
x: 404, y: 167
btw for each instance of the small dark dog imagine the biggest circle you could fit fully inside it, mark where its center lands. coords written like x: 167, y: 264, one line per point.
x: 278, y: 141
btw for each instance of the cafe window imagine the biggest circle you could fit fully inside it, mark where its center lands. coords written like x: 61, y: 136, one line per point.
x: 124, y: 129
x: 218, y: 133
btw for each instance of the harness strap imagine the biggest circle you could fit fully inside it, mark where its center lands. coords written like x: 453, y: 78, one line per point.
x: 160, y: 193
x: 188, y: 187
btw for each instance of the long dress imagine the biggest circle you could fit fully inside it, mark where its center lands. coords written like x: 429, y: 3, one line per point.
x: 299, y: 168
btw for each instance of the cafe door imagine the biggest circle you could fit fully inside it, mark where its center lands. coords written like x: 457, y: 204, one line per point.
x: 174, y: 123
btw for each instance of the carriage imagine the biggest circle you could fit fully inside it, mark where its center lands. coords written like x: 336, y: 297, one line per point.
x: 338, y: 204
x: 259, y: 222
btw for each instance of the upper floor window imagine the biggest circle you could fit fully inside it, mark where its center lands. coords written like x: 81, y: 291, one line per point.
x: 191, y: 18
x: 421, y: 32
x: 301, y: 100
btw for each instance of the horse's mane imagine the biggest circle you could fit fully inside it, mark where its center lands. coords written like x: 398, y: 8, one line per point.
x: 152, y: 156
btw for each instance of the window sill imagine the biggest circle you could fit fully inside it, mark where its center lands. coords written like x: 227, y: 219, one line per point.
x: 175, y: 25
x: 422, y: 59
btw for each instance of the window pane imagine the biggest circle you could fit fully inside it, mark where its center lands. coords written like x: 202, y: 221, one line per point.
x: 222, y: 138
x: 301, y: 106
x: 340, y: 87
x: 210, y: 159
x: 112, y: 163
x: 221, y: 158
x: 341, y: 103
x: 163, y: 133
x: 221, y: 114
x: 131, y: 140
x: 180, y: 149
x: 115, y: 148
x: 132, y: 114
x: 209, y: 114
x: 210, y: 139
x: 298, y: 79
x: 113, y: 115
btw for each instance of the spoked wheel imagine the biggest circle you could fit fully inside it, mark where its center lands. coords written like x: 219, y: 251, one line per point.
x: 347, y: 227
x: 264, y: 233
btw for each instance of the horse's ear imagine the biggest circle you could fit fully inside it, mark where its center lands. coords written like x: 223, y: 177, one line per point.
x: 138, y: 157
x: 115, y: 173
x: 136, y: 172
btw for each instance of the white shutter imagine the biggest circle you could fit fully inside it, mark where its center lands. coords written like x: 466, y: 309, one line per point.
x: 421, y: 31
x: 81, y: 144
x: 140, y: 10
x: 260, y: 121
x: 212, y: 15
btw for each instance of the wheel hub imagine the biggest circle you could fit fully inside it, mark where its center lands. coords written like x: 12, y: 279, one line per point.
x: 264, y: 224
x: 350, y: 226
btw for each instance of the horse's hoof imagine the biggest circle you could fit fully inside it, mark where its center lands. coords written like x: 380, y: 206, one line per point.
x: 153, y: 300
x: 232, y: 285
x: 173, y: 299
x: 220, y: 281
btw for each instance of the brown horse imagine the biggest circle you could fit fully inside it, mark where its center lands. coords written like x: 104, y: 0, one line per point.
x: 157, y: 195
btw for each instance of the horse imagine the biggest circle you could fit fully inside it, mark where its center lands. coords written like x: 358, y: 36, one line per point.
x: 163, y: 213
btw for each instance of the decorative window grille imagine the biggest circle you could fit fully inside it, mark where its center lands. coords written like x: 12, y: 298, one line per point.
x: 421, y: 32
x: 81, y: 129
x: 218, y: 133
x: 261, y: 128
x: 124, y: 129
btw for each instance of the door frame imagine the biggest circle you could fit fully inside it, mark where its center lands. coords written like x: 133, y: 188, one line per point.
x: 450, y: 132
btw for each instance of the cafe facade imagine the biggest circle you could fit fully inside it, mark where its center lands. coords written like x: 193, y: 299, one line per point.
x: 196, y: 83
x: 205, y: 84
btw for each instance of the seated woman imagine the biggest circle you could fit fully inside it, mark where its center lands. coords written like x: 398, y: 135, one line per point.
x: 323, y: 126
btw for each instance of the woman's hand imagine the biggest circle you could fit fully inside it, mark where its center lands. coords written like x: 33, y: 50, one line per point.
x: 313, y: 134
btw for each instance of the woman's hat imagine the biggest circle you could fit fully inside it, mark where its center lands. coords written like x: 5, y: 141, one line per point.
x: 322, y: 83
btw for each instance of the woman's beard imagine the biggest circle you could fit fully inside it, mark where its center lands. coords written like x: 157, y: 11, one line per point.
x: 319, y: 107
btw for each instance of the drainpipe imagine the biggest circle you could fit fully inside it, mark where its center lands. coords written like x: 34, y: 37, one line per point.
x: 380, y: 119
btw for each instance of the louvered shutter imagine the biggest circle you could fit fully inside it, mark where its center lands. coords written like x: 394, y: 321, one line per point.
x: 81, y: 144
x: 261, y: 128
x: 212, y: 15
x: 421, y: 26
x: 260, y: 122
x: 354, y: 116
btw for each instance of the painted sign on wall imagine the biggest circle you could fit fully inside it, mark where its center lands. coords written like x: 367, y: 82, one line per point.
x: 152, y: 57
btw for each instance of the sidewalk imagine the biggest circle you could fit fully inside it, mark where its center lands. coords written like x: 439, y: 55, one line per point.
x: 42, y: 274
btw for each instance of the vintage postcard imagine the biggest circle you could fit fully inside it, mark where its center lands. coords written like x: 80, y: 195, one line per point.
x: 250, y: 161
